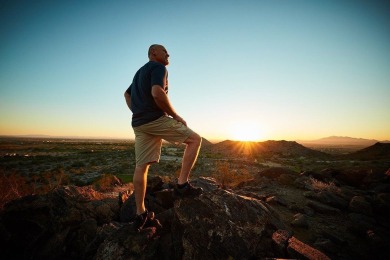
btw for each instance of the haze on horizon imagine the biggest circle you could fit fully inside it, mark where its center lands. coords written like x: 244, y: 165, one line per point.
x: 268, y: 70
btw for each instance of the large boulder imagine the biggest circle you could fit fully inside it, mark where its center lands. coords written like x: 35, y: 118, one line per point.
x: 223, y: 222
x: 80, y: 223
x: 57, y: 225
x: 359, y: 204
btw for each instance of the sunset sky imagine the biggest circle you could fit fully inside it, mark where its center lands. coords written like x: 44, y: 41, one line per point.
x: 277, y: 69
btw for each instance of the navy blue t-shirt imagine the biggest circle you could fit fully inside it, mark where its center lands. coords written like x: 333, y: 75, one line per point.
x: 143, y: 106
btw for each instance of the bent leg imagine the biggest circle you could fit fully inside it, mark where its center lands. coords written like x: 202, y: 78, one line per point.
x: 191, y: 152
x: 139, y: 182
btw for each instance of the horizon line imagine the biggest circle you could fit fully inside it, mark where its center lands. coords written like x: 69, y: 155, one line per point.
x: 210, y: 140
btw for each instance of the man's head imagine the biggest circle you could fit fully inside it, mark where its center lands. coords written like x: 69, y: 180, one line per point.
x: 158, y: 53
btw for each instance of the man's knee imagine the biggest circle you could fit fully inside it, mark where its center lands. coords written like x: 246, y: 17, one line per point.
x: 194, y: 139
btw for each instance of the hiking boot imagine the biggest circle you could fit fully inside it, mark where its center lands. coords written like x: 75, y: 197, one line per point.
x: 140, y: 221
x: 187, y: 190
x: 146, y: 219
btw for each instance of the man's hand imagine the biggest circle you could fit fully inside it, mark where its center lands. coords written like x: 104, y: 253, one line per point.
x: 180, y: 119
x: 163, y: 102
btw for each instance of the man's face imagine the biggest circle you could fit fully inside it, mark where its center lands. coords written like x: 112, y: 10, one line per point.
x: 161, y: 55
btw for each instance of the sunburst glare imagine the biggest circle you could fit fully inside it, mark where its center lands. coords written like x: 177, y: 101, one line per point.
x: 246, y: 131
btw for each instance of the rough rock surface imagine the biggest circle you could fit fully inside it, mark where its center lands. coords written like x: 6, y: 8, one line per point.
x: 266, y: 218
x: 58, y: 225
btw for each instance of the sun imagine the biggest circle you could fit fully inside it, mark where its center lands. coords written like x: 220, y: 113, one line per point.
x: 246, y: 131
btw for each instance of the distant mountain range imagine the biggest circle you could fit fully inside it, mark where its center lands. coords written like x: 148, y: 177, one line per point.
x: 267, y: 148
x: 292, y: 149
x: 342, y: 140
x: 374, y: 152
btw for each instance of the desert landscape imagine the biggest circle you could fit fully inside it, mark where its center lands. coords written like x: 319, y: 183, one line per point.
x: 262, y: 200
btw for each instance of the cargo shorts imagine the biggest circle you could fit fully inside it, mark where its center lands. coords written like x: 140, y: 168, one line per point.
x: 148, y: 138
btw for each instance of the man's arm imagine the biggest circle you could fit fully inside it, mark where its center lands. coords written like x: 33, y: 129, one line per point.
x: 162, y: 101
x: 128, y: 99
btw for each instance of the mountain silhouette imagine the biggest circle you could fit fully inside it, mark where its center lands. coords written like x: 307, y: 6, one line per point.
x: 266, y: 148
x: 374, y: 152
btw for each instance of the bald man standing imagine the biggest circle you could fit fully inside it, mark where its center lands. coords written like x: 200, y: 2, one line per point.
x: 153, y: 120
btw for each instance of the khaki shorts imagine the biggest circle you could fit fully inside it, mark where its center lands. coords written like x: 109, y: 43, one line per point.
x: 148, y: 138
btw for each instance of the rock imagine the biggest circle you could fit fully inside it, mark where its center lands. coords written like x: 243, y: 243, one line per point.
x: 308, y: 211
x: 276, y: 200
x: 275, y: 172
x: 154, y: 183
x: 208, y: 184
x: 217, y: 223
x: 329, y: 198
x: 125, y: 243
x: 165, y: 198
x: 300, y: 220
x: 378, y: 246
x: 80, y: 223
x: 381, y: 187
x: 360, y: 223
x: 302, y: 183
x: 353, y: 178
x: 359, y: 204
x: 334, y: 238
x: 286, y: 179
x: 327, y: 246
x: 102, y: 233
x: 301, y: 250
x: 375, y: 177
x: 322, y: 208
x: 128, y: 209
x: 280, y: 241
x: 330, y: 173
x: 56, y: 225
x: 381, y: 204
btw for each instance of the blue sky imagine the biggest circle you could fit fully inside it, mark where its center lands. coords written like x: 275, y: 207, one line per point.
x: 285, y: 69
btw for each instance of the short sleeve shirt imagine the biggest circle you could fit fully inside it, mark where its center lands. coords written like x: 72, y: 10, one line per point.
x: 143, y: 106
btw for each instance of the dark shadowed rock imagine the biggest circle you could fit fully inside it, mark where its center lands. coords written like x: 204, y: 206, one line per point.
x: 54, y: 226
x: 301, y: 250
x: 328, y: 198
x: 223, y: 222
x: 353, y: 178
x: 300, y: 220
x: 125, y: 243
x: 360, y: 223
x: 322, y: 208
x: 275, y: 172
x: 359, y: 204
x: 276, y: 200
x: 280, y: 241
x: 80, y: 223
x: 327, y: 246
x: 381, y: 204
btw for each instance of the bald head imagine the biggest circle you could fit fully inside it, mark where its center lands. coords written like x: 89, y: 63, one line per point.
x: 152, y: 48
x: 158, y: 53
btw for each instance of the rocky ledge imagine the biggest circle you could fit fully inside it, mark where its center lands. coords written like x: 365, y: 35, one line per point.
x: 81, y: 223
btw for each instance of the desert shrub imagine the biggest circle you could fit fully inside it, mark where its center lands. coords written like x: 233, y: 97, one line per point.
x: 318, y: 185
x: 228, y: 177
x: 106, y: 183
x: 53, y: 179
x: 13, y: 186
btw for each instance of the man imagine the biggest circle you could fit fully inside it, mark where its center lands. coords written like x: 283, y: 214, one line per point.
x: 154, y: 119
